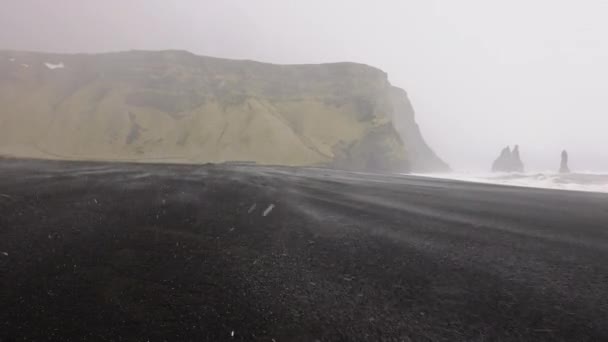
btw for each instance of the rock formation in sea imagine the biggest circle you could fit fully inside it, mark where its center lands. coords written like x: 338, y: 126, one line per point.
x: 516, y: 163
x: 508, y: 161
x: 501, y: 163
x: 174, y: 106
x: 563, y: 167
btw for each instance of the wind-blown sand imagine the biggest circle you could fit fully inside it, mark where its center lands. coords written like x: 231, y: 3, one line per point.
x: 94, y: 251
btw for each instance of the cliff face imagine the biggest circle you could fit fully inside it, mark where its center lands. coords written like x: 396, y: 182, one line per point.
x: 177, y: 107
x: 421, y: 156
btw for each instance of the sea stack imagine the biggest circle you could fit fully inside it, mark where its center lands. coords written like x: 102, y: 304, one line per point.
x: 516, y: 162
x: 563, y: 167
x: 508, y: 161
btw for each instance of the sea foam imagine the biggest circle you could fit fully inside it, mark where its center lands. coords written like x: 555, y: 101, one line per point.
x: 588, y: 181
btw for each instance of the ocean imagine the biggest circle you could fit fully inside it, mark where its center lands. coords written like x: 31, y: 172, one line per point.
x: 585, y: 181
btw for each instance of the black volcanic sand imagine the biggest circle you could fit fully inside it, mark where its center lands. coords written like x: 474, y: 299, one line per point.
x: 126, y: 252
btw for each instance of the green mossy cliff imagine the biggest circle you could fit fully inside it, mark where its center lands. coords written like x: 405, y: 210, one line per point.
x: 173, y: 106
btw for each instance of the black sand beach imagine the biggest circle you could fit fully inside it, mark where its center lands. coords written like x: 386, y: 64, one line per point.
x: 127, y: 252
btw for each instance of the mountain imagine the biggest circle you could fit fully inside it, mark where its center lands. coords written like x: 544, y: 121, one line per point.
x: 173, y: 106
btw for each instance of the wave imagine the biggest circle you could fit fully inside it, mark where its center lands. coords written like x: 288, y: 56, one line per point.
x: 587, y: 181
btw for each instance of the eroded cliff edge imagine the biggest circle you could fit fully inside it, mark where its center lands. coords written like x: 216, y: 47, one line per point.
x: 173, y: 106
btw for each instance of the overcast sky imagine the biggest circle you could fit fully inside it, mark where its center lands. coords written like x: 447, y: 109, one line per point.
x: 481, y: 73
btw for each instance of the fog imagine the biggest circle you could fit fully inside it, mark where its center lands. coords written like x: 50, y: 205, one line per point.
x: 481, y: 74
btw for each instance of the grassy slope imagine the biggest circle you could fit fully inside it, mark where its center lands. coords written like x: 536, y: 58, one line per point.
x: 178, y: 107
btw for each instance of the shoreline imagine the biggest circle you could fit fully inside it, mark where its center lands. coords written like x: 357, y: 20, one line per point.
x: 214, y: 252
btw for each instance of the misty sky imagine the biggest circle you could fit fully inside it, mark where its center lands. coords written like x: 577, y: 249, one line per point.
x: 481, y: 73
